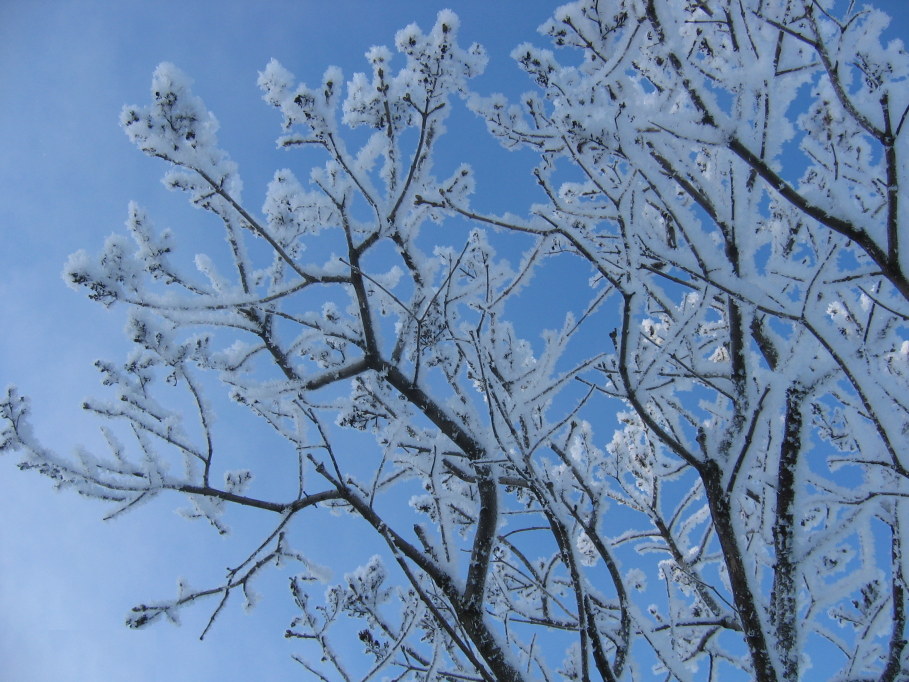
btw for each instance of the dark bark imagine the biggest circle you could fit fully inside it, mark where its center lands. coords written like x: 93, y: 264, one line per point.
x: 898, y: 641
x: 745, y: 603
x: 784, y: 608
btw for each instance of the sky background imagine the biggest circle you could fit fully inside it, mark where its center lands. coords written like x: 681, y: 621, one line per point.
x: 67, y: 172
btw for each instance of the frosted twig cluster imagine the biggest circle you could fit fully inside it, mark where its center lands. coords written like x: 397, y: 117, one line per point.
x: 730, y: 174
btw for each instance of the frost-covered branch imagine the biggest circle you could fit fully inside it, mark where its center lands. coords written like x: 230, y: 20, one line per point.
x: 688, y: 473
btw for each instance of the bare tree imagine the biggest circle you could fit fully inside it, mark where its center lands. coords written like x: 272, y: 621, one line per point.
x: 729, y: 172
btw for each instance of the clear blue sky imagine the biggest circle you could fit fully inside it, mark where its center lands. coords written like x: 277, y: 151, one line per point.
x: 67, y: 172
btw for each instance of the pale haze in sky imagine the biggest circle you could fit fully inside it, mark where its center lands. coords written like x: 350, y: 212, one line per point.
x: 67, y: 173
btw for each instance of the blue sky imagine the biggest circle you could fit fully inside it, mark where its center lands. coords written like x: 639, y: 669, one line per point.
x: 67, y: 173
x: 67, y: 579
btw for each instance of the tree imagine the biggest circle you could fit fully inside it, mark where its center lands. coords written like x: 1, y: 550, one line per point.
x: 730, y: 174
